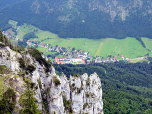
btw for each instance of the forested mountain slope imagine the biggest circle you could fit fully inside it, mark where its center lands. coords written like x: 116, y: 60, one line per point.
x: 7, y: 3
x: 127, y: 87
x: 91, y: 18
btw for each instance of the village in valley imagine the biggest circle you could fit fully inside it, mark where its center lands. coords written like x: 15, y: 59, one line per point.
x: 7, y: 34
x: 72, y: 56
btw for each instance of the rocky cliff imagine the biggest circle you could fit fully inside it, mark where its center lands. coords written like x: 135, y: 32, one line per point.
x: 79, y: 94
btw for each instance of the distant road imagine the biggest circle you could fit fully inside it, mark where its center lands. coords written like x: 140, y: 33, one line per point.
x: 17, y: 32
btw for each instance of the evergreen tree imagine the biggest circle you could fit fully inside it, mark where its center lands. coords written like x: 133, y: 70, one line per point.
x: 28, y: 103
x: 1, y: 36
x: 7, y: 103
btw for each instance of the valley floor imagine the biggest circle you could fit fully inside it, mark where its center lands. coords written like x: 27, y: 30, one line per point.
x: 129, y: 47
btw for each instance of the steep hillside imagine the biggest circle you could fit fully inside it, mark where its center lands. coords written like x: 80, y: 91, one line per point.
x: 32, y: 86
x: 7, y: 3
x: 91, y: 19
x: 127, y: 87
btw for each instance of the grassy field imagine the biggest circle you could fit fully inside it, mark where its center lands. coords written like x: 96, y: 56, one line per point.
x: 24, y: 29
x: 49, y: 53
x: 10, y: 31
x: 147, y: 42
x: 88, y: 45
x: 41, y: 49
x: 60, y: 55
x: 138, y: 60
x: 129, y: 47
x: 13, y: 23
x: 57, y: 41
x: 84, y: 44
x: 68, y: 42
x: 44, y: 35
x: 99, y: 49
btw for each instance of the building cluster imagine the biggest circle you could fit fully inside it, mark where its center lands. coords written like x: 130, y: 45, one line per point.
x: 73, y: 56
x: 114, y: 59
x: 68, y: 60
x: 8, y: 35
x: 36, y: 43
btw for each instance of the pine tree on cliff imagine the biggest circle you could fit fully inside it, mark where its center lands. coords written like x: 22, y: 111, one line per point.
x: 28, y: 102
x: 1, y: 36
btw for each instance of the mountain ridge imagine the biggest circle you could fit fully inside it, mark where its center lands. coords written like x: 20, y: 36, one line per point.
x: 89, y: 19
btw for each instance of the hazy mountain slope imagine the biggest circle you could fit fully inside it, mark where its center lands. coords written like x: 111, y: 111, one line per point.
x: 91, y: 18
x: 6, y: 3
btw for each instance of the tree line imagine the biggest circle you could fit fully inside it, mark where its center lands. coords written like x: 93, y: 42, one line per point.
x: 127, y: 87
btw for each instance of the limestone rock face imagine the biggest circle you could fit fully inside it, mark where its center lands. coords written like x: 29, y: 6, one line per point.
x: 9, y: 58
x: 84, y: 93
x: 78, y: 95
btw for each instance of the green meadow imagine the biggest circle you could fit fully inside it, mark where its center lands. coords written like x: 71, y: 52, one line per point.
x: 88, y: 45
x: 42, y: 49
x: 129, y: 47
x: 56, y: 41
x: 24, y: 29
x: 42, y: 35
x: 13, y: 23
x: 138, y: 60
x: 49, y: 53
x: 147, y: 42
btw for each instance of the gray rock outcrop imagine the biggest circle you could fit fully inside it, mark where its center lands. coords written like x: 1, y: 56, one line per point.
x: 77, y: 95
x: 9, y: 58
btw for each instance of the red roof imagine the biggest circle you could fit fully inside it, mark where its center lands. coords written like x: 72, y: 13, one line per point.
x: 62, y: 57
x: 122, y: 56
x: 56, y: 59
x: 79, y: 57
x: 83, y: 61
x: 60, y: 61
